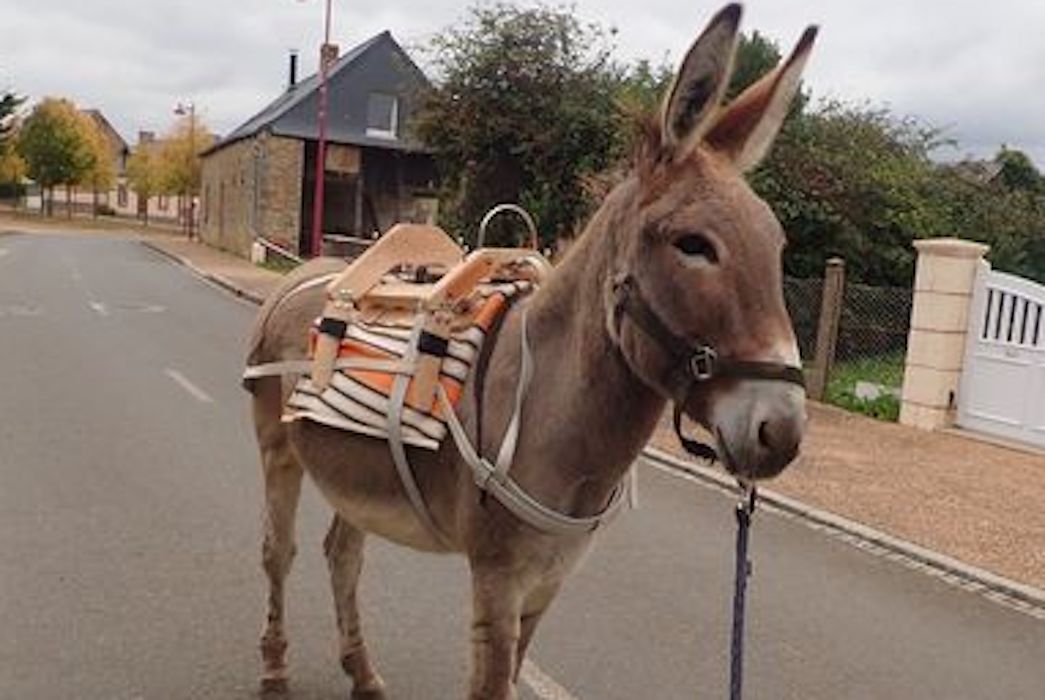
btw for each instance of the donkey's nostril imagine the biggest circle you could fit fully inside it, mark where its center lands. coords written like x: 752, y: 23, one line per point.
x: 764, y: 438
x: 780, y: 437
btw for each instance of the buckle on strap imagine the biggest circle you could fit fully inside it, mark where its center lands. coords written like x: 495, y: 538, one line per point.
x: 702, y: 363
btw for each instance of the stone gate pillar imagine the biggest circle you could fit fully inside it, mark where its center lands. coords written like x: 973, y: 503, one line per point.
x: 943, y: 287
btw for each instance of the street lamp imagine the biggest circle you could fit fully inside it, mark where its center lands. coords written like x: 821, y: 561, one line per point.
x: 316, y: 244
x: 189, y: 110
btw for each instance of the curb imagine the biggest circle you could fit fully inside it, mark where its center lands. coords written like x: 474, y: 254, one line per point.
x: 1022, y: 595
x: 223, y: 282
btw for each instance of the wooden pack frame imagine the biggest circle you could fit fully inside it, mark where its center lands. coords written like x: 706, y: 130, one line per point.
x: 366, y: 288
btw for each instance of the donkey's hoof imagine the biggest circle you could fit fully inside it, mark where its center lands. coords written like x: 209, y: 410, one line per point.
x: 274, y: 685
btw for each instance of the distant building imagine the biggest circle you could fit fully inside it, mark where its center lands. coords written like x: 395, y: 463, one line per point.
x: 259, y: 181
x: 161, y: 208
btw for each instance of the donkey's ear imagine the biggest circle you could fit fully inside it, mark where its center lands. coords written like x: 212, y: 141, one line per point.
x: 745, y: 129
x: 700, y: 83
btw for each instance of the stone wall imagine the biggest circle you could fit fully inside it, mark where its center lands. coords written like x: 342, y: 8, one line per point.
x: 228, y: 197
x: 252, y: 188
x: 281, y: 176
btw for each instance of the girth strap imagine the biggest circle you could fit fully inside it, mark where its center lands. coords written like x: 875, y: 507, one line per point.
x: 495, y: 479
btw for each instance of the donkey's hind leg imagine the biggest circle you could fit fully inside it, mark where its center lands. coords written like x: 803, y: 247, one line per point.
x: 344, y: 549
x: 282, y: 475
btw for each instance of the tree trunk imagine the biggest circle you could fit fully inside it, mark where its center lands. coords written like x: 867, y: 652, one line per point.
x: 95, y: 204
x: 68, y: 201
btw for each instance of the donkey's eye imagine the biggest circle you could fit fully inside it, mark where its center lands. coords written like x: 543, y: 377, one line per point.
x: 696, y: 245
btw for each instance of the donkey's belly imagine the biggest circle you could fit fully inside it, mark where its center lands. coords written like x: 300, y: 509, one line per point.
x: 357, y: 477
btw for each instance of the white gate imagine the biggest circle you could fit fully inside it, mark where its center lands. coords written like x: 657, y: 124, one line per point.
x: 1002, y: 390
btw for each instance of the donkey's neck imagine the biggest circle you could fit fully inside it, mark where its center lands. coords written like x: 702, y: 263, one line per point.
x: 590, y: 415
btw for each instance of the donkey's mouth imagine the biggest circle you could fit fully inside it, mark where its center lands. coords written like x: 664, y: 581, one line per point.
x: 752, y: 463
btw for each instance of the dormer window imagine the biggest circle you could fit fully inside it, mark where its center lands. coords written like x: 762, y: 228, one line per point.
x: 382, y: 115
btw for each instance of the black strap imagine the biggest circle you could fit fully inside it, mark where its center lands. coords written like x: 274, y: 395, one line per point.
x: 696, y: 448
x: 693, y: 360
x: 431, y: 344
x: 771, y: 371
x: 334, y: 327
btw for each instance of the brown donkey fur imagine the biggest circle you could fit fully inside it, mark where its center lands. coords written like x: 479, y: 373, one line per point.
x: 705, y: 252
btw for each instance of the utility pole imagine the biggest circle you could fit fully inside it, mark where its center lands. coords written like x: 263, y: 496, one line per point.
x: 321, y: 145
x: 190, y: 110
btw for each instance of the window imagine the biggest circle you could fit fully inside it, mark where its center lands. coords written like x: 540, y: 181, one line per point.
x: 121, y: 196
x: 164, y: 203
x: 382, y: 115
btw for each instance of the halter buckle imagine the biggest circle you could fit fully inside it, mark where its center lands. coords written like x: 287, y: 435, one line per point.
x: 702, y: 363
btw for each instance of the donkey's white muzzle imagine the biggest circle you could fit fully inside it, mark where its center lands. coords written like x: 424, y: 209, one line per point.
x: 759, y: 426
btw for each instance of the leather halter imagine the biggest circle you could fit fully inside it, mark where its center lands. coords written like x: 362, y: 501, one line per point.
x: 692, y: 363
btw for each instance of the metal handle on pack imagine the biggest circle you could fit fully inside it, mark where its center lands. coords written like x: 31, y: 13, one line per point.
x: 501, y: 208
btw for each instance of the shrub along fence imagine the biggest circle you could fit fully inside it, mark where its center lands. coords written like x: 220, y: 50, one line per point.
x: 853, y: 340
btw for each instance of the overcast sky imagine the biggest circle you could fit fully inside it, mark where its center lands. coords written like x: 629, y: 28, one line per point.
x: 977, y: 68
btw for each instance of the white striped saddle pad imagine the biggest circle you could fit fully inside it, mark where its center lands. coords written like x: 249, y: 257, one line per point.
x: 359, y: 400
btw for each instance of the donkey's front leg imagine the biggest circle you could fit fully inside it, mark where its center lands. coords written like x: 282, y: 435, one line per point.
x: 497, y: 606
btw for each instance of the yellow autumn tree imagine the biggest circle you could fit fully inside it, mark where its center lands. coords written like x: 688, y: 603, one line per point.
x: 144, y: 174
x: 179, y: 159
x: 12, y: 167
x: 100, y: 175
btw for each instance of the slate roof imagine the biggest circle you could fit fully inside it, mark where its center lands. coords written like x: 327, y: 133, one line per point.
x: 379, y: 64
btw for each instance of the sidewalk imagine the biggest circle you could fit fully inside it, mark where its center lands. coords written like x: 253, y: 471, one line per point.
x: 980, y: 503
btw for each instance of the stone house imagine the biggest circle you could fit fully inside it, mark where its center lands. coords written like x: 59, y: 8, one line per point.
x: 259, y: 181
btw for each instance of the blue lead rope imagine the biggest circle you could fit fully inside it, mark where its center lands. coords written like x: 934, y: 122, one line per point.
x: 744, y: 510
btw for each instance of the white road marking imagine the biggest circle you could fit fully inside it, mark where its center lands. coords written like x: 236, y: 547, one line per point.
x: 193, y: 390
x: 20, y: 311
x: 99, y: 308
x: 542, y: 684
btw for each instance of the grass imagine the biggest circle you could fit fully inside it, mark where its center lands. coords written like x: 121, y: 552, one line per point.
x: 885, y: 370
x: 279, y: 264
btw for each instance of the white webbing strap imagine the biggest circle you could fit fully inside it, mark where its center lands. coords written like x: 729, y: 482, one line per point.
x: 495, y: 480
x: 276, y: 369
x: 506, y: 454
x: 395, y: 435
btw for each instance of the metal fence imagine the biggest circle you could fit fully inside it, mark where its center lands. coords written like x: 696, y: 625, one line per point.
x: 853, y: 340
x: 803, y: 298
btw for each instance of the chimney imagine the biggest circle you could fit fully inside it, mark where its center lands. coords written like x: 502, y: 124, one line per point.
x: 328, y: 53
x: 293, y: 69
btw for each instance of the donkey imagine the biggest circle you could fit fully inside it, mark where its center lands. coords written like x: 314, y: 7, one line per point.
x: 699, y: 254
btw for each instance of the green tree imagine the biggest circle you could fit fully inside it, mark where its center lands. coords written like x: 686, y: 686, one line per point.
x: 756, y: 56
x: 9, y: 104
x: 523, y: 111
x: 854, y: 182
x: 53, y: 144
x: 1018, y: 171
x: 12, y: 167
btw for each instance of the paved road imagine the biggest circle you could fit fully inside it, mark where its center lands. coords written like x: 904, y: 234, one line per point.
x: 129, y: 497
